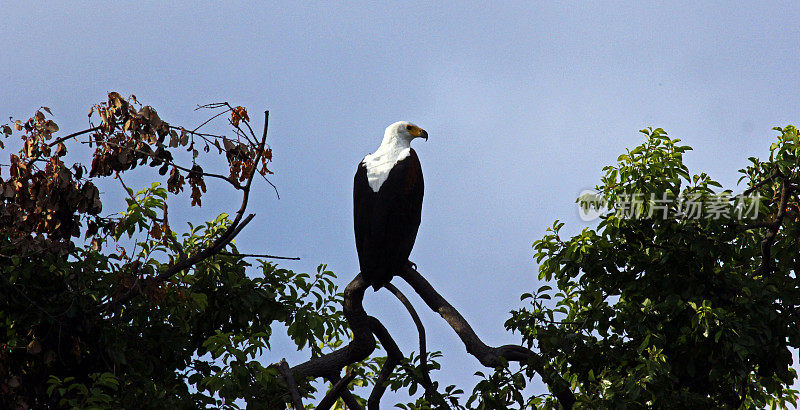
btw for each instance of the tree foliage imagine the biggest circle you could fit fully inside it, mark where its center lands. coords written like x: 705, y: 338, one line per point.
x: 118, y: 310
x: 658, y: 306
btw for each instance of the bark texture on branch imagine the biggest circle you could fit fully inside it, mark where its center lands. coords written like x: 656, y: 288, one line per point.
x: 362, y: 345
x: 487, y: 355
x: 297, y: 402
x: 393, y: 358
x: 330, y: 399
x: 365, y: 328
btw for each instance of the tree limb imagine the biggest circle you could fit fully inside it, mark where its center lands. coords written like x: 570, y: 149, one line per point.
x: 430, y: 389
x: 362, y: 345
x: 330, y: 399
x: 393, y: 358
x: 238, y: 223
x: 486, y: 355
x: 297, y: 402
x: 349, y: 399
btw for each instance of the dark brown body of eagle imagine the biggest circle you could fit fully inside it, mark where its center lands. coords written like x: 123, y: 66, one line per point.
x: 386, y: 222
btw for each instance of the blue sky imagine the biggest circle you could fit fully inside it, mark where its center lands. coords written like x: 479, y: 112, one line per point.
x: 524, y: 103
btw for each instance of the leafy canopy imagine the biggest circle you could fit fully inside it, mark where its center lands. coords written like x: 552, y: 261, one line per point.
x: 661, y: 307
x: 658, y: 306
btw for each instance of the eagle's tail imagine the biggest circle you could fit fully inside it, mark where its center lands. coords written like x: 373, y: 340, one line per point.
x: 376, y: 278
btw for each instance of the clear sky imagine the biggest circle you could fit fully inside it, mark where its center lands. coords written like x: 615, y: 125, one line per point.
x: 524, y: 104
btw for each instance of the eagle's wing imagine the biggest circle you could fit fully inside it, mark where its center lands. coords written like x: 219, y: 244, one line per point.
x: 364, y: 200
x: 386, y: 222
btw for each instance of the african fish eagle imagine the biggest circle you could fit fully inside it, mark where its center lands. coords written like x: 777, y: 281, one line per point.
x: 387, y: 204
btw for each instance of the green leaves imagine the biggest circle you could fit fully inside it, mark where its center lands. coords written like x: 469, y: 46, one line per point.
x: 99, y: 394
x: 207, y: 327
x: 671, y: 311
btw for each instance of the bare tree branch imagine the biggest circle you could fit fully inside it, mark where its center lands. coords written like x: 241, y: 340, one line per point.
x: 488, y: 356
x: 297, y: 402
x: 330, y: 398
x: 259, y: 255
x: 430, y: 390
x: 363, y: 343
x: 393, y: 358
x: 349, y: 399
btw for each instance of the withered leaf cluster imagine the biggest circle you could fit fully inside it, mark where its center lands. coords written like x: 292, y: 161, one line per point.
x: 44, y: 198
x: 127, y: 138
x: 82, y: 314
x: 41, y: 195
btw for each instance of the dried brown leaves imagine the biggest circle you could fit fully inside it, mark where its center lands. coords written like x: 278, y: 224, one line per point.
x: 44, y: 198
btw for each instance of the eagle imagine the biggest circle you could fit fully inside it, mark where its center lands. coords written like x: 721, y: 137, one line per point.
x: 387, y: 204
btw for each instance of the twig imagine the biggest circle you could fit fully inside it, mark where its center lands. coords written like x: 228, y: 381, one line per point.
x: 172, y: 239
x: 256, y: 255
x: 347, y: 397
x: 487, y: 356
x: 73, y: 135
x: 769, y: 237
x: 430, y: 390
x: 199, y: 134
x: 272, y: 185
x: 330, y: 398
x: 210, y: 119
x: 62, y: 139
x: 761, y: 183
x: 297, y: 402
x: 393, y: 358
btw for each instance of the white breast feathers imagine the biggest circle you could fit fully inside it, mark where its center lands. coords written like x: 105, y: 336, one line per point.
x: 380, y: 164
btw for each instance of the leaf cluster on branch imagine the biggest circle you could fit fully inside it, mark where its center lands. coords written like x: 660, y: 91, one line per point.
x: 643, y: 311
x: 85, y: 327
x: 661, y: 307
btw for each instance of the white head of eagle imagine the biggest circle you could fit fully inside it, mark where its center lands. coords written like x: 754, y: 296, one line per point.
x: 387, y: 199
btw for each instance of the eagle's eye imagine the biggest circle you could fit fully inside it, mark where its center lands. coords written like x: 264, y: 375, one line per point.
x: 409, y: 127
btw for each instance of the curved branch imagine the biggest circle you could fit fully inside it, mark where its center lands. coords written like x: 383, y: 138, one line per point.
x: 340, y: 386
x: 238, y: 223
x: 362, y: 345
x: 486, y: 355
x: 349, y: 399
x: 393, y: 358
x: 430, y: 390
x: 297, y: 402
